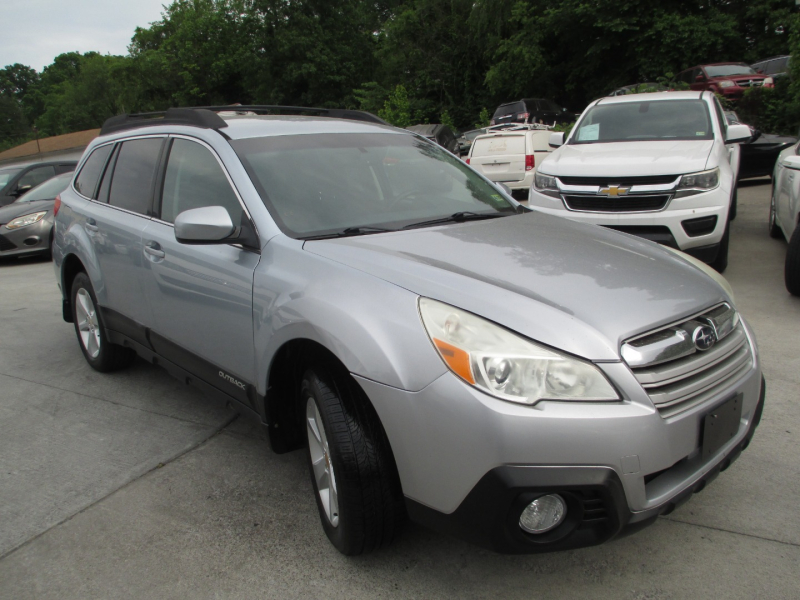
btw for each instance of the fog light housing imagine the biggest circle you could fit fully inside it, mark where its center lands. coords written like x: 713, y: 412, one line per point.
x: 543, y: 514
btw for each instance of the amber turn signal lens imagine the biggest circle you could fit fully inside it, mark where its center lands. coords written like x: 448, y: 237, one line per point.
x: 456, y: 358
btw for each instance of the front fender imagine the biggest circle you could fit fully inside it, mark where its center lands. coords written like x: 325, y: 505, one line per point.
x: 371, y: 326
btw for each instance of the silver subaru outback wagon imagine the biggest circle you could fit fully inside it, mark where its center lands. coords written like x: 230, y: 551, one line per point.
x: 525, y: 382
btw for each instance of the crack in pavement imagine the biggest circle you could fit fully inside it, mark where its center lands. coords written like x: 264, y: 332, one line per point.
x: 144, y: 410
x: 163, y: 463
x: 750, y: 535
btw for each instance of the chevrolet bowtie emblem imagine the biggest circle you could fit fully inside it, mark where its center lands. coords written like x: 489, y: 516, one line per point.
x: 613, y: 190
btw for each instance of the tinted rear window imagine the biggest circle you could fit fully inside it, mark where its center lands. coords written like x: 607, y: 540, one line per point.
x: 86, y: 183
x: 134, y: 173
x: 499, y: 145
x: 509, y: 109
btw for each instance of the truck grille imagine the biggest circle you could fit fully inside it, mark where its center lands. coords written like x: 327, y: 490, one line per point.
x: 643, y: 203
x: 6, y: 244
x: 675, y: 374
x: 604, y: 180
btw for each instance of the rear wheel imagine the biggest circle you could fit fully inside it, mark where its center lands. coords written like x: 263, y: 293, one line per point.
x: 352, y: 469
x: 720, y: 263
x: 101, y: 354
x: 792, y: 266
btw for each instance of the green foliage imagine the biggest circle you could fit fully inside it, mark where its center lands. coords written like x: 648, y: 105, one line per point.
x: 411, y: 61
x: 565, y: 127
x: 484, y: 118
x: 397, y: 109
x: 446, y: 119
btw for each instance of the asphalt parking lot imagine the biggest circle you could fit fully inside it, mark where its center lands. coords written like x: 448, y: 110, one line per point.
x: 132, y: 485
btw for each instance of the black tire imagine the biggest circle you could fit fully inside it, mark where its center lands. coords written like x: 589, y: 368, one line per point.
x: 720, y: 263
x: 108, y: 357
x: 792, y: 266
x: 774, y: 230
x: 734, y: 204
x: 371, y: 509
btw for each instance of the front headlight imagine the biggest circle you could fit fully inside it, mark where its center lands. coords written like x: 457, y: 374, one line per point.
x: 704, y: 180
x: 26, y: 220
x: 506, y: 365
x: 545, y: 184
x: 726, y: 84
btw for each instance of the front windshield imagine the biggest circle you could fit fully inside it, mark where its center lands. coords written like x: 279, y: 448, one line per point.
x: 325, y: 183
x: 6, y: 175
x: 47, y: 190
x: 729, y: 70
x: 644, y: 121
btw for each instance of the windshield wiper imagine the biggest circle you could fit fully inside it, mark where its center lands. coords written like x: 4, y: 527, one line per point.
x: 458, y: 217
x: 348, y: 232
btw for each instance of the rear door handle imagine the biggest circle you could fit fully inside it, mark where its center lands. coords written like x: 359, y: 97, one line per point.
x: 154, y: 250
x: 91, y: 225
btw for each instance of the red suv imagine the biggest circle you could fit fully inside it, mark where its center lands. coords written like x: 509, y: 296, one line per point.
x: 728, y: 79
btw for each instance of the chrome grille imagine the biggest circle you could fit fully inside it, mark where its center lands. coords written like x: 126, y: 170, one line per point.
x: 675, y: 374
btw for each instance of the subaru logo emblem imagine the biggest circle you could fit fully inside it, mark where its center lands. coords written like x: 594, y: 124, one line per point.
x: 704, y: 337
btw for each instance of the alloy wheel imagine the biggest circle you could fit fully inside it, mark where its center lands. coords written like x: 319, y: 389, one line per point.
x: 88, y: 325
x: 321, y: 462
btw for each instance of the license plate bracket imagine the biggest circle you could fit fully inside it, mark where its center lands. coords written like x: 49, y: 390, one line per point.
x: 721, y: 425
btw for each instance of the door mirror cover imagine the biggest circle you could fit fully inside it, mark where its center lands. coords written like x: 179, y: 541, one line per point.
x: 556, y: 139
x: 737, y: 134
x: 21, y: 190
x: 206, y: 225
x: 792, y: 162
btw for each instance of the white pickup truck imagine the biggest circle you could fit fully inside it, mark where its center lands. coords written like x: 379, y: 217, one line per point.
x: 661, y: 166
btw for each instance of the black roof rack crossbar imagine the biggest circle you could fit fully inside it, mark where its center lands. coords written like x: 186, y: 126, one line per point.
x: 173, y: 116
x: 274, y: 109
x: 207, y: 117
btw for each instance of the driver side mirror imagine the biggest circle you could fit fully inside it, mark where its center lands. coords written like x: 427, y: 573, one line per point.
x: 556, y: 139
x: 206, y: 225
x: 21, y: 189
x: 737, y: 134
x: 700, y: 78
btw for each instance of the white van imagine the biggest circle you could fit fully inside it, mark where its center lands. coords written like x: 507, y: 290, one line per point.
x: 511, y: 156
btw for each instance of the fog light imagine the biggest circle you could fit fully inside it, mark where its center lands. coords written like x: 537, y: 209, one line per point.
x: 543, y: 514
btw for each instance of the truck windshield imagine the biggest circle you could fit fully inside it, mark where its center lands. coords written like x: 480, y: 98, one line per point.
x: 317, y: 184
x: 644, y: 121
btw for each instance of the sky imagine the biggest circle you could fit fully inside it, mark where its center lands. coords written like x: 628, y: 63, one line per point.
x: 36, y: 31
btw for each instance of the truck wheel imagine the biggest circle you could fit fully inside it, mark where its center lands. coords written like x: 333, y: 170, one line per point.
x: 101, y: 354
x: 792, y: 267
x: 720, y: 263
x: 774, y: 231
x: 353, y: 473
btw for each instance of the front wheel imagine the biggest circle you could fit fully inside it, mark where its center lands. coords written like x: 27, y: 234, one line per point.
x: 352, y: 469
x: 720, y: 263
x: 792, y: 266
x: 101, y: 354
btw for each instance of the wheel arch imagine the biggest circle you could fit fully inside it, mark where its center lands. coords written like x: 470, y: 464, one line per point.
x: 70, y: 267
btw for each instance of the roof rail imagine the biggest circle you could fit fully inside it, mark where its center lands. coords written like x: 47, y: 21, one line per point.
x: 172, y: 116
x: 275, y: 109
x: 206, y: 117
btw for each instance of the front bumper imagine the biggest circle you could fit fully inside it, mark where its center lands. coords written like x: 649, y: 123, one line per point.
x: 33, y: 239
x: 663, y: 226
x: 468, y: 462
x: 595, y: 496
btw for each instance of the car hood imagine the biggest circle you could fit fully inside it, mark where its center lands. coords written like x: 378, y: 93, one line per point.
x: 628, y: 158
x: 581, y: 288
x: 18, y: 209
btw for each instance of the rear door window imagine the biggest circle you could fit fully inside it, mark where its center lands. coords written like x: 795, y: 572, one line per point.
x: 195, y: 179
x: 86, y: 183
x: 134, y: 174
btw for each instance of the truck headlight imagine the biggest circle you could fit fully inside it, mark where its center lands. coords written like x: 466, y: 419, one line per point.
x: 703, y: 181
x: 506, y: 365
x: 545, y: 184
x: 25, y: 220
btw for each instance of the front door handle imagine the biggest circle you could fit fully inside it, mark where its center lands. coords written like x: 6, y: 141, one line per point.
x: 91, y: 225
x: 154, y: 250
